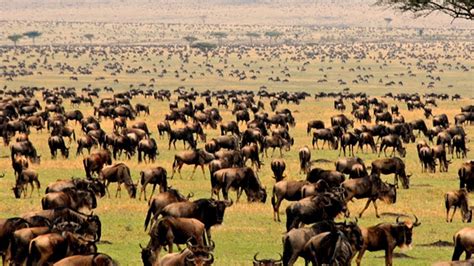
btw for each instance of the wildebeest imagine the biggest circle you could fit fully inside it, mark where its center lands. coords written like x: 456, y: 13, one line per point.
x: 149, y: 148
x: 305, y: 159
x: 278, y: 167
x: 69, y: 198
x: 327, y: 135
x: 458, y: 198
x: 266, y: 262
x: 154, y: 176
x: 370, y: 187
x: 95, y: 259
x: 57, y: 143
x: 119, y: 173
x: 285, y: 189
x: 96, y: 161
x: 19, y: 163
x: 276, y: 142
x: 25, y: 148
x: 158, y: 202
x: 240, y: 179
x: 7, y: 228
x: 332, y: 178
x: 466, y: 175
x: 197, y: 157
x: 386, y: 236
x: 208, y: 211
x: 463, y: 242
x: 393, y: 165
x: 76, y: 183
x: 324, y: 206
x: 85, y: 142
x: 27, y: 176
x: 316, y: 124
x: 251, y: 152
x: 394, y: 142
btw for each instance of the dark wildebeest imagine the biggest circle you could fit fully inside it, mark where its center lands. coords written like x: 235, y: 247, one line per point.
x: 386, y: 236
x: 393, y: 141
x: 427, y: 159
x: 119, y: 173
x: 158, y: 202
x: 57, y: 143
x: 463, y: 242
x: 142, y: 108
x: 458, y: 198
x: 305, y: 159
x: 439, y: 152
x: 336, y: 247
x: 96, y: 161
x: 366, y: 138
x: 69, y: 198
x: 239, y: 179
x: 278, y: 167
x: 149, y: 148
x: 197, y: 157
x: 393, y: 165
x: 383, y: 117
x: 348, y: 139
x: 231, y: 127
x: 316, y: 124
x: 325, y: 134
x: 49, y: 248
x: 183, y: 134
x: 192, y: 255
x: 163, y: 127
x: 370, y: 187
x: 251, y: 152
x: 342, y: 121
x: 154, y: 176
x: 27, y: 149
x: 27, y: 176
x: 208, y: 211
x: 86, y: 142
x: 441, y: 120
x: 466, y: 175
x: 459, y: 146
x: 76, y: 183
x: 19, y: 163
x: 172, y: 230
x: 324, y: 206
x: 332, y: 178
x: 266, y: 262
x: 352, y: 166
x: 95, y: 259
x: 276, y: 142
x: 7, y: 228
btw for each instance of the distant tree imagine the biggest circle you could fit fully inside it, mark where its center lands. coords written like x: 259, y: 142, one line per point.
x: 463, y: 9
x: 219, y: 36
x: 32, y: 35
x: 205, y: 47
x: 273, y: 36
x: 15, y: 38
x: 89, y: 36
x: 251, y: 36
x: 190, y: 39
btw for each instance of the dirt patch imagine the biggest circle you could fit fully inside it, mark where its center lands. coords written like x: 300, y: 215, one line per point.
x: 393, y: 214
x: 439, y: 243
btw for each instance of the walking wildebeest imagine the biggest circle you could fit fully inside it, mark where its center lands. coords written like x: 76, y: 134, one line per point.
x: 119, y: 173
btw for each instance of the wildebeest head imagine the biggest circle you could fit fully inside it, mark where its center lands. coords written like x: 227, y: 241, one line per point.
x: 354, y: 234
x: 17, y: 190
x: 218, y: 208
x: 267, y: 262
x: 388, y: 193
x: 97, y: 186
x: 403, y: 231
x: 94, y: 226
x: 205, y: 156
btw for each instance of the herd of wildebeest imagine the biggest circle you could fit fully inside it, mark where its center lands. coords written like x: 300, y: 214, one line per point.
x: 63, y: 235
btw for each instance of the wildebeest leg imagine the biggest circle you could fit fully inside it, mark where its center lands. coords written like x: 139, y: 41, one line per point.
x: 273, y: 151
x: 203, y: 171
x: 239, y: 193
x: 360, y: 255
x: 194, y: 170
x: 107, y: 188
x: 395, y: 180
x: 152, y: 191
x: 388, y: 256
x: 32, y: 189
x: 447, y: 213
x: 468, y: 255
x: 365, y: 208
x: 375, y: 207
x: 119, y: 190
x: 452, y: 216
x: 281, y: 154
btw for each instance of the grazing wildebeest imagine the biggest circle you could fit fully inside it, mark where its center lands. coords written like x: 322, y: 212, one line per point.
x: 57, y: 143
x: 197, y: 157
x: 342, y: 121
x: 208, y: 211
x: 324, y: 206
x: 393, y: 165
x: 76, y: 183
x: 439, y: 152
x: 149, y: 148
x: 427, y: 159
x: 366, y: 138
x: 86, y: 142
x: 466, y: 175
x: 27, y: 176
x: 119, y: 173
x: 285, y: 189
x: 183, y: 134
x: 69, y: 198
x: 459, y: 146
x: 239, y: 179
x: 463, y: 242
x: 251, y: 152
x: 332, y: 178
x: 386, y: 236
x: 154, y: 176
x: 346, y: 165
x: 458, y: 198
x: 305, y: 159
x: 278, y: 167
x: 163, y: 127
x: 392, y: 141
x: 96, y: 161
x: 27, y: 149
x: 172, y: 230
x: 327, y: 135
x: 19, y: 163
x: 370, y: 187
x: 276, y: 142
x: 231, y: 127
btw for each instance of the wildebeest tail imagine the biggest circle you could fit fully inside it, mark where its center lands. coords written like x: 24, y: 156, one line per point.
x: 142, y: 178
x: 34, y: 254
x: 273, y: 197
x: 151, y: 210
x: 44, y: 204
x: 86, y: 167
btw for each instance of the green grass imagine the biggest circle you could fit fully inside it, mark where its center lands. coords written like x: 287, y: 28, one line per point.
x: 249, y: 228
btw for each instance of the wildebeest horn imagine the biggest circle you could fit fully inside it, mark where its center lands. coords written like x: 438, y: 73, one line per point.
x: 228, y: 203
x: 190, y: 257
x: 2, y: 175
x: 416, y: 223
x: 140, y: 245
x: 409, y: 175
x: 210, y: 259
x: 190, y: 195
x: 398, y: 218
x: 255, y: 258
x: 213, y: 244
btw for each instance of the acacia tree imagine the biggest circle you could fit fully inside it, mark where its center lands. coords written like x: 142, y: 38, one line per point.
x: 273, y: 35
x: 190, y: 39
x: 463, y: 9
x: 32, y: 35
x: 89, y: 36
x: 15, y: 38
x: 251, y: 36
x: 205, y: 47
x: 219, y: 36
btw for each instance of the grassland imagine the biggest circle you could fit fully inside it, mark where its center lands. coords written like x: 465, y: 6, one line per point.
x: 249, y: 228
